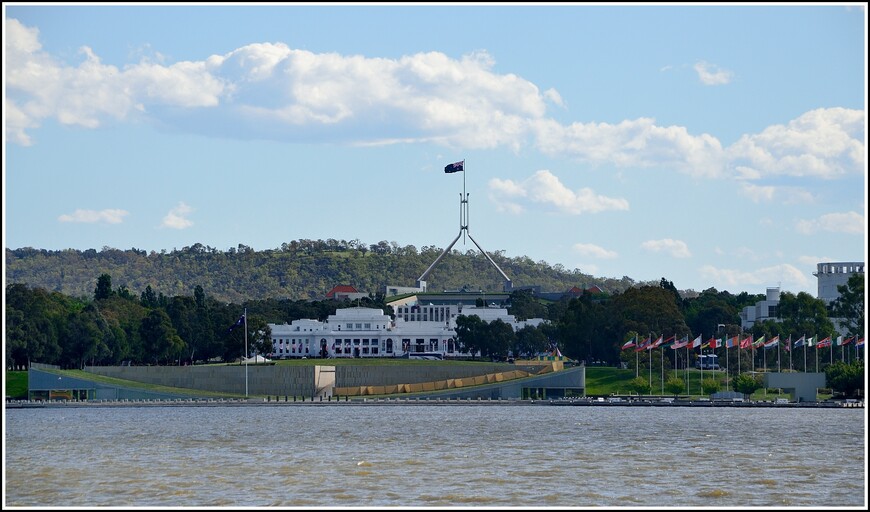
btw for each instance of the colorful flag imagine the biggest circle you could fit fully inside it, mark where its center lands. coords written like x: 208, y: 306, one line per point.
x: 656, y: 343
x: 239, y: 323
x: 841, y: 341
x: 628, y: 344
x: 860, y: 342
x: 455, y: 167
x: 696, y: 342
x: 746, y: 342
x: 714, y: 343
x: 681, y: 343
x: 788, y: 344
x: 824, y: 342
x: 759, y: 342
x: 800, y: 342
x: 772, y: 342
x: 732, y: 342
x: 643, y: 345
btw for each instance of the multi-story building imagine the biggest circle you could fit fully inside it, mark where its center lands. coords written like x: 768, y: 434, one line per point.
x: 830, y: 276
x: 418, y: 332
x: 767, y: 309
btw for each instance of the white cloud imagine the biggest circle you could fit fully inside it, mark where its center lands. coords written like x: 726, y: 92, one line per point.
x: 824, y: 143
x: 554, y: 96
x: 594, y: 251
x: 176, y: 218
x: 635, y: 143
x: 848, y: 222
x: 775, y: 194
x: 110, y: 216
x: 710, y: 74
x: 676, y: 248
x: 545, y: 188
x: 272, y: 91
x: 784, y: 275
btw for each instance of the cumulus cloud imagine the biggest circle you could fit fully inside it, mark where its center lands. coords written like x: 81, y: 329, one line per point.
x: 788, y: 275
x: 676, y: 248
x: 594, y: 251
x: 823, y: 143
x: 636, y: 143
x: 710, y: 74
x: 545, y: 188
x: 110, y: 216
x: 849, y: 222
x: 272, y: 91
x: 177, y: 217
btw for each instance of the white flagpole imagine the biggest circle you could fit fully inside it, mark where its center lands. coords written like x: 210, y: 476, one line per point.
x: 246, y: 352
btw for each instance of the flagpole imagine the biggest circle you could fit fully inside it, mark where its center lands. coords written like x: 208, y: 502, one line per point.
x: 663, y: 367
x: 246, y: 352
x: 701, y: 382
x: 778, y: 367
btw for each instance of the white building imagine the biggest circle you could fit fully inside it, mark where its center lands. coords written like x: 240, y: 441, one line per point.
x: 418, y: 331
x: 830, y: 276
x: 763, y: 310
x: 834, y: 274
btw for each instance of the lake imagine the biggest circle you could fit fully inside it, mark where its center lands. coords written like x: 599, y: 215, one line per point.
x: 434, y: 456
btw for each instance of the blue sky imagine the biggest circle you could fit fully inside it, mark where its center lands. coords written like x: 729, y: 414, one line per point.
x: 713, y: 145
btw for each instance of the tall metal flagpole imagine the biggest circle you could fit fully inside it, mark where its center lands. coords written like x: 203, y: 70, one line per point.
x: 246, y: 352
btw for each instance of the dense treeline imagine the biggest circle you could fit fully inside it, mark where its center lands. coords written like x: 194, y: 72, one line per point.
x: 301, y: 269
x: 108, y: 325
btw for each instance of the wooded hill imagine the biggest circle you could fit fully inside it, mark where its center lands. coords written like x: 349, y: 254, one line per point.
x: 301, y: 269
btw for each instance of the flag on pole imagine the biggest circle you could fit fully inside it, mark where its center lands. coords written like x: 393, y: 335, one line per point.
x: 656, y: 343
x: 788, y: 344
x: 455, y: 167
x: 841, y: 341
x: 732, y: 342
x: 240, y: 322
x: 714, y: 343
x: 800, y: 342
x: 696, y: 342
x: 759, y: 342
x: 860, y: 342
x: 681, y: 343
x: 643, y: 344
x: 630, y: 343
x: 772, y: 342
x: 746, y: 342
x: 824, y: 342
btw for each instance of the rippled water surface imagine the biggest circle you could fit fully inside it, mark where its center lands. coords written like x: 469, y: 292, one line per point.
x: 435, y: 456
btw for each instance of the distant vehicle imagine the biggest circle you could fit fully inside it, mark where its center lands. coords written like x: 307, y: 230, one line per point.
x: 707, y: 362
x: 781, y: 401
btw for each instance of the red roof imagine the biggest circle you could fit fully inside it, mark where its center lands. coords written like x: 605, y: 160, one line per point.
x: 342, y: 288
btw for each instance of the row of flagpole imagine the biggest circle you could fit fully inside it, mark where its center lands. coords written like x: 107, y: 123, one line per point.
x: 735, y: 342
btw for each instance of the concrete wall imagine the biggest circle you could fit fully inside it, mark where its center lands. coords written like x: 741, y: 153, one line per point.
x: 283, y: 380
x: 801, y: 386
x: 261, y: 379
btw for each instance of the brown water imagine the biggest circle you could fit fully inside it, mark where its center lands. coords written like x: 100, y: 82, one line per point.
x: 435, y: 456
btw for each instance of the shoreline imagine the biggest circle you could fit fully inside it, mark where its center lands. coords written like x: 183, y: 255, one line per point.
x: 412, y: 401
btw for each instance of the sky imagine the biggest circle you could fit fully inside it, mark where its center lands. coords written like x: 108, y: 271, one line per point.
x: 714, y: 145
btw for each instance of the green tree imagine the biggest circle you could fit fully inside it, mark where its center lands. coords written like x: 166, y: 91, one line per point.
x: 675, y: 385
x: 846, y: 378
x: 530, y: 341
x: 470, y: 332
x: 640, y: 385
x: 710, y: 385
x: 850, y: 307
x: 746, y: 383
x: 159, y: 337
x: 104, y: 287
x: 500, y: 337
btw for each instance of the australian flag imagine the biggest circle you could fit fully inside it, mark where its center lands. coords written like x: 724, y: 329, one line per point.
x: 455, y: 167
x: 239, y: 323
